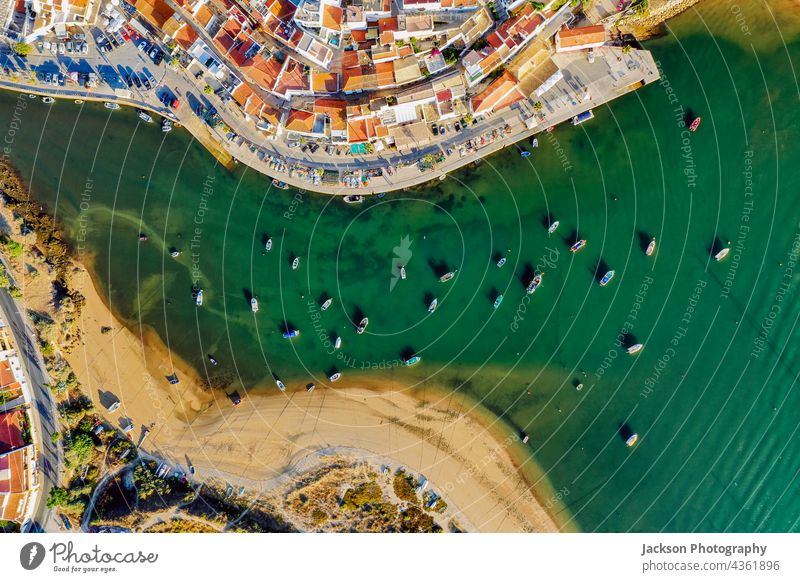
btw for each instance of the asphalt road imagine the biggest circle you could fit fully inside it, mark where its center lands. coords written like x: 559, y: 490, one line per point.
x: 43, y: 411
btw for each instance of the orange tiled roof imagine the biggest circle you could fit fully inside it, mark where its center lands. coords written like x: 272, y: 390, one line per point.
x: 323, y: 82
x: 332, y: 17
x: 186, y: 36
x: 156, y: 12
x: 298, y: 120
x: 335, y: 109
x: 241, y: 93
x: 357, y: 131
x: 583, y: 35
x: 10, y: 431
x: 292, y: 78
x: 500, y: 93
x: 270, y: 114
x: 385, y: 24
x: 384, y: 73
x: 263, y: 72
x: 203, y: 15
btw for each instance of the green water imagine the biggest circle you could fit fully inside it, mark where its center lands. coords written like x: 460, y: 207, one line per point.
x: 714, y: 393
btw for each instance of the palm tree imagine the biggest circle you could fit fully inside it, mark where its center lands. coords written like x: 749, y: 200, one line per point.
x: 626, y: 49
x: 537, y: 106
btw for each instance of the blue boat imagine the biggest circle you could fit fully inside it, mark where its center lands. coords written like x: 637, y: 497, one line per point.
x: 291, y: 334
x: 606, y: 278
x: 498, y: 301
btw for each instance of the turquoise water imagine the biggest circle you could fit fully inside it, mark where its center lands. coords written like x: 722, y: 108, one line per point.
x: 713, y: 395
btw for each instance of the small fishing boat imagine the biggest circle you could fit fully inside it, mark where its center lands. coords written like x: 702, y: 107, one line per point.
x: 278, y: 184
x: 296, y: 263
x: 174, y: 253
x: 112, y: 106
x: 631, y: 440
x: 292, y: 333
x: 722, y: 254
x: 142, y: 237
x: 338, y: 344
x: 32, y: 96
x: 48, y: 100
x: 213, y: 360
x: 335, y: 376
x: 552, y: 228
x: 501, y: 262
x: 402, y: 272
x: 268, y: 245
x: 635, y: 349
x: 254, y: 304
x: 362, y: 326
x: 606, y: 278
x: 327, y: 303
x: 145, y: 117
x: 534, y: 284
x: 310, y: 387
x: 577, y: 246
x: 354, y: 199
x: 78, y: 101
x: 695, y: 123
x: 432, y: 306
x: 525, y: 438
x: 447, y: 276
x: 412, y: 360
x: 524, y: 153
x: 198, y: 297
x: 498, y: 301
x: 651, y: 248
x: 166, y: 125
x: 280, y: 384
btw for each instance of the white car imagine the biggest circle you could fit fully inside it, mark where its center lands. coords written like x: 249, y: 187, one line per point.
x: 70, y: 47
x: 61, y: 50
x: 84, y: 48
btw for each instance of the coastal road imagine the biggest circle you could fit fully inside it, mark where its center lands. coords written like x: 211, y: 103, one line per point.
x: 43, y: 412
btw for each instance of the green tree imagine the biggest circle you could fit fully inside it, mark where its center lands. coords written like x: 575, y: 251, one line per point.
x: 23, y: 49
x: 55, y: 437
x: 58, y: 497
x: 5, y: 281
x: 80, y: 449
x: 148, y: 484
x: 12, y: 248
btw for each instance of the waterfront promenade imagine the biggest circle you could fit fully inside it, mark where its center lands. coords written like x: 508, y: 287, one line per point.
x: 585, y: 85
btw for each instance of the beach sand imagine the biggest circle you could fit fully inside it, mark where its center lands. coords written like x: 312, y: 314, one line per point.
x: 474, y: 466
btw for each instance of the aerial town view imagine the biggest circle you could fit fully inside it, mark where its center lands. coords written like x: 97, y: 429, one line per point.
x: 399, y: 266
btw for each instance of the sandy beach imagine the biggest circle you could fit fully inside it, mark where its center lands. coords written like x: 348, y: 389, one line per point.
x: 445, y: 438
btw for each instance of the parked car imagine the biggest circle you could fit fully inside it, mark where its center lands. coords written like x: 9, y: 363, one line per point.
x: 457, y: 127
x: 435, y: 130
x: 143, y: 46
x: 61, y: 48
x: 137, y: 81
x: 84, y: 48
x: 70, y: 47
x: 442, y: 130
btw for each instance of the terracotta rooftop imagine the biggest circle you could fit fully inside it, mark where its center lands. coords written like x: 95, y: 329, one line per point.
x: 332, y: 17
x: 501, y: 93
x: 335, y: 109
x: 301, y: 121
x: 323, y: 82
x: 580, y: 36
x: 186, y: 36
x: 263, y: 72
x: 10, y: 430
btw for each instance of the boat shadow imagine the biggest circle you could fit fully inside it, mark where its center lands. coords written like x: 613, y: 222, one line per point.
x: 547, y: 219
x: 285, y: 326
x: 644, y: 240
x: 492, y: 294
x: 717, y: 246
x: 627, y: 340
x: 571, y: 238
x: 439, y: 268
x: 528, y: 272
x: 427, y: 298
x: 407, y: 352
x: 248, y: 294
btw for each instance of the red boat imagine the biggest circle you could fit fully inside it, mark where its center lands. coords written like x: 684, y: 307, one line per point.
x: 695, y: 124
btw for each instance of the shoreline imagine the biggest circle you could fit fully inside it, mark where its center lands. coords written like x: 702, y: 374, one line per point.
x: 471, y: 456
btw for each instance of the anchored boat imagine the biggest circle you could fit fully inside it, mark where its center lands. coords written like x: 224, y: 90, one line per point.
x: 296, y: 263
x: 338, y: 344
x: 432, y: 306
x: 651, y: 248
x: 553, y: 227
x: 292, y: 333
x: 254, y: 304
x: 362, y: 326
x: 722, y: 254
x: 48, y: 100
x: 354, y: 199
x: 635, y: 349
x: 402, y: 272
x: 577, y: 246
x: 145, y: 117
x: 278, y: 184
x: 198, y: 298
x: 280, y: 384
x: 534, y: 284
x: 268, y: 245
x: 606, y: 278
x: 335, y: 376
x: 412, y: 360
x: 695, y: 123
x: 501, y: 262
x: 498, y: 301
x: 327, y: 303
x: 631, y: 440
x: 111, y: 106
x: 447, y: 276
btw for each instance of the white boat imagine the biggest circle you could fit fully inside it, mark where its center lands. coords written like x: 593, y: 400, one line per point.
x: 327, y: 303
x: 268, y: 245
x: 338, y: 344
x: 501, y: 262
x: 606, y: 278
x: 722, y: 254
x: 145, y: 117
x: 534, y: 284
x: 651, y: 248
x: 109, y: 105
x: 335, y: 376
x: 254, y: 304
x: 296, y: 263
x: 577, y: 246
x: 631, y: 440
x: 447, y: 276
x: 433, y: 305
x: 48, y: 100
x: 174, y: 253
x: 362, y: 326
x: 280, y: 384
x: 278, y: 184
x: 354, y: 199
x: 402, y: 272
x: 553, y: 227
x: 635, y: 349
x: 198, y: 298
x: 498, y: 301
